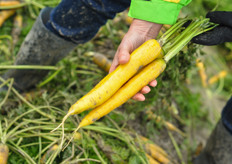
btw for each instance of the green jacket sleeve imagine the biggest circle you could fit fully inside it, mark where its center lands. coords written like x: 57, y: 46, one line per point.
x: 157, y: 11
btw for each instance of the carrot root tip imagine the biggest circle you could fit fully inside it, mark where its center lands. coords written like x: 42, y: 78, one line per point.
x: 64, y: 119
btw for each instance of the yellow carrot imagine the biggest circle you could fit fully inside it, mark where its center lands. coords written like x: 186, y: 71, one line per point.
x: 202, y: 73
x: 168, y: 125
x: 9, y: 3
x: 152, y: 147
x: 142, y: 56
x: 18, y: 21
x: 4, y: 153
x: 151, y: 160
x: 215, y: 78
x: 134, y: 85
x: 155, y: 151
x: 156, y: 154
x: 159, y: 157
x: 5, y: 14
x: 198, y: 150
x: 102, y: 61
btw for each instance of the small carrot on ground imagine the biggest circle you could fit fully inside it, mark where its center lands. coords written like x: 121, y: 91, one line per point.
x: 16, y: 31
x: 168, y: 125
x: 152, y: 146
x: 201, y: 69
x: 151, y: 160
x: 9, y: 3
x: 155, y: 151
x: 4, y: 153
x: 5, y: 14
x: 102, y: 61
x: 215, y: 78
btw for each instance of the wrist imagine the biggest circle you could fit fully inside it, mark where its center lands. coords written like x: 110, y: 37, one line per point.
x: 149, y: 30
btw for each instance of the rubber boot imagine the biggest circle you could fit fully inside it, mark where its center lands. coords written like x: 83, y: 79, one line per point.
x: 218, y: 149
x: 40, y: 47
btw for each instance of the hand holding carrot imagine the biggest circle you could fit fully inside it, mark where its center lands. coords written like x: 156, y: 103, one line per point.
x: 126, y: 80
x: 139, y: 32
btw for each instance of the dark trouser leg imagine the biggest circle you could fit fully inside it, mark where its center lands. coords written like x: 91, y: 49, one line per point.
x: 80, y: 20
x: 57, y: 31
x: 218, y: 149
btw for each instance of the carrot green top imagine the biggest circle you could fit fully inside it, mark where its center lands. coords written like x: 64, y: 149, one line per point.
x: 157, y: 11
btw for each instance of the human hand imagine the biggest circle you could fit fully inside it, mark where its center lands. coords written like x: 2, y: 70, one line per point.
x: 220, y: 34
x: 139, y: 32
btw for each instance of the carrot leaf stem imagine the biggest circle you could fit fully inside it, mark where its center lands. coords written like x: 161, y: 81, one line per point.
x: 195, y: 28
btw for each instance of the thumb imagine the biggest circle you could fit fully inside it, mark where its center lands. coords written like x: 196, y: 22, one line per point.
x: 123, y: 56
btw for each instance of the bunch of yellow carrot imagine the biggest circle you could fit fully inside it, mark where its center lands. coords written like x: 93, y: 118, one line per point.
x: 146, y: 63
